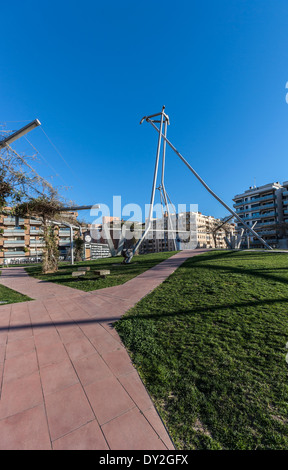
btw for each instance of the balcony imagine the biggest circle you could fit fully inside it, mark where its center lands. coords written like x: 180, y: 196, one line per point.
x: 36, y: 232
x: 238, y: 204
x: 13, y: 254
x: 16, y: 232
x: 263, y: 198
x: 37, y: 243
x: 35, y: 252
x: 35, y: 222
x: 64, y: 232
x: 14, y: 243
x: 268, y: 214
x: 12, y: 221
x: 64, y: 242
x: 271, y: 222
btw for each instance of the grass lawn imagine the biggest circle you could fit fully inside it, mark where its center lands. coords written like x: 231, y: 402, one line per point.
x: 9, y: 296
x: 119, y: 273
x: 210, y: 346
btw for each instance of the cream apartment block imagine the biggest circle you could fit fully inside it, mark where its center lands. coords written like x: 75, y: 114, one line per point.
x: 190, y: 231
x: 266, y: 205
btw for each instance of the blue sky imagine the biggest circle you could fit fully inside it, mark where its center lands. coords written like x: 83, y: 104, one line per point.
x: 90, y: 70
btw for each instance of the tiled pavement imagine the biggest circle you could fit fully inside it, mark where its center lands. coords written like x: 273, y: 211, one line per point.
x: 66, y: 380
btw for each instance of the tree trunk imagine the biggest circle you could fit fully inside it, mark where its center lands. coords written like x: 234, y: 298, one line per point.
x: 50, y: 253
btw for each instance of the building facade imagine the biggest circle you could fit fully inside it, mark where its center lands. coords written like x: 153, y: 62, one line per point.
x: 192, y: 230
x: 21, y: 239
x: 265, y: 209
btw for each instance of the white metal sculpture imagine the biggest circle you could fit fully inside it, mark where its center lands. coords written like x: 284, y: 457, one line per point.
x: 163, y: 120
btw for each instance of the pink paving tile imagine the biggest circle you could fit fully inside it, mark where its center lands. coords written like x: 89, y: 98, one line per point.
x: 119, y: 362
x: 136, y: 389
x: 20, y: 346
x: 67, y: 410
x: 3, y: 335
x: 88, y: 437
x: 20, y: 395
x: 17, y: 332
x: 106, y: 343
x: 51, y: 354
x: 1, y: 375
x: 69, y: 333
x: 47, y: 337
x: 80, y: 348
x: 58, y: 376
x: 19, y: 366
x: 2, y: 352
x: 108, y: 399
x: 152, y: 416
x: 25, y: 431
x: 131, y: 431
x: 91, y: 328
x: 91, y: 368
x: 42, y: 326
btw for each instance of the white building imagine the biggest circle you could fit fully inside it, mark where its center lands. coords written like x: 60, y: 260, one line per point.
x: 267, y: 206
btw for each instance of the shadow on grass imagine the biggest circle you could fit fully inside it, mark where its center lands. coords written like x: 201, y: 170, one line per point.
x: 113, y: 319
x: 248, y: 272
x: 207, y: 309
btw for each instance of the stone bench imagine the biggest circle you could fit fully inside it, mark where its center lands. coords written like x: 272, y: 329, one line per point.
x: 102, y: 273
x: 78, y: 273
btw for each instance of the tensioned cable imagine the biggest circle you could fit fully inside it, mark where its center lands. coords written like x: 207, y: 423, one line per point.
x: 60, y: 155
x: 83, y: 186
x: 44, y: 159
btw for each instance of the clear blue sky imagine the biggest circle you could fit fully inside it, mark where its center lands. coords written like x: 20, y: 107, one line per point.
x: 90, y: 70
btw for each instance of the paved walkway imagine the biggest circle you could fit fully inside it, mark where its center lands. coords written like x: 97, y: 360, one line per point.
x: 66, y: 380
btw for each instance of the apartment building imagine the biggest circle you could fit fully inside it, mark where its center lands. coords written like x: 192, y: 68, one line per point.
x: 192, y: 230
x: 265, y: 208
x: 21, y: 239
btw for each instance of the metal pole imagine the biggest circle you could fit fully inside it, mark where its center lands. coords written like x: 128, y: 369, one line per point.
x: 16, y: 135
x: 163, y: 186
x: 207, y: 187
x: 153, y: 187
x: 71, y: 244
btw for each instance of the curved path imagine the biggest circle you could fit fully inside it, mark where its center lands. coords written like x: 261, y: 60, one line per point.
x: 66, y: 380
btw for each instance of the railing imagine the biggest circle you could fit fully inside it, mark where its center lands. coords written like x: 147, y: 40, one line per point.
x: 14, y: 242
x: 11, y: 232
x: 11, y: 254
x: 262, y: 198
x: 37, y: 243
x: 12, y: 221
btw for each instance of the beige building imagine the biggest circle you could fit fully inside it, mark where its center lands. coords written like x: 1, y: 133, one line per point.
x: 191, y: 230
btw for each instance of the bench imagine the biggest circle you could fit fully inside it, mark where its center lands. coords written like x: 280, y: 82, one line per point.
x: 102, y: 273
x: 78, y: 273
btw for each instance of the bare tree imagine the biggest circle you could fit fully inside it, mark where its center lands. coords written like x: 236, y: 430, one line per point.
x: 26, y: 193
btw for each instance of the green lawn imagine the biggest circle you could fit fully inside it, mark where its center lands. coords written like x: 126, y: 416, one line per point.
x: 9, y: 296
x: 119, y: 273
x: 210, y: 346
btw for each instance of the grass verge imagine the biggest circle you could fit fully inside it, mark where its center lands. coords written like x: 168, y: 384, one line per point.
x: 210, y: 346
x: 9, y: 296
x: 119, y: 273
